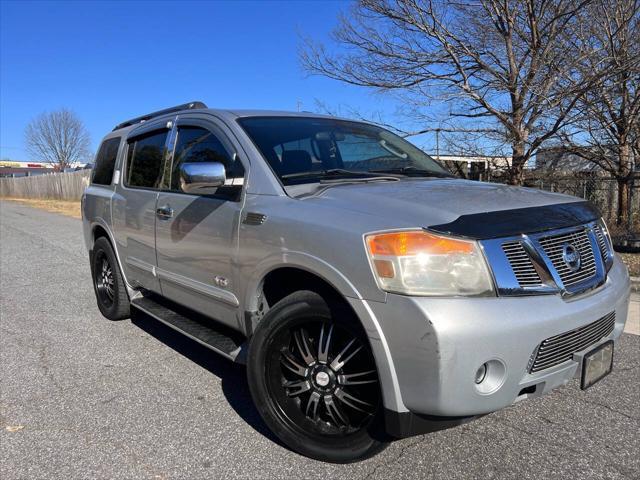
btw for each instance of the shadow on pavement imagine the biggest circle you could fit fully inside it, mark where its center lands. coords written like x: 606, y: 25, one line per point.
x: 233, y: 375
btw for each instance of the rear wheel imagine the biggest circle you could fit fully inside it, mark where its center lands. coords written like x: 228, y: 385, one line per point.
x: 108, y: 284
x: 313, y: 378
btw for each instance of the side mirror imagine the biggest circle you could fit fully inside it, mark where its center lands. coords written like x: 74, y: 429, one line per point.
x: 203, y: 177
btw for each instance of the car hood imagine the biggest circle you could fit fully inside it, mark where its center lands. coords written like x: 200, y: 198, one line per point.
x: 428, y: 202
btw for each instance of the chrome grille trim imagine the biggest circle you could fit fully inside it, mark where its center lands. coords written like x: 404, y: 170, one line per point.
x: 602, y: 243
x: 560, y: 348
x: 553, y: 245
x: 521, y: 265
x: 533, y: 264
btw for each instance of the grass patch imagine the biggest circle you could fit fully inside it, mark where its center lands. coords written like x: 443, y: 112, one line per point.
x: 71, y: 208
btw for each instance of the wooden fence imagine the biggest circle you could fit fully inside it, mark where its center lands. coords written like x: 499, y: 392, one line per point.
x: 59, y: 186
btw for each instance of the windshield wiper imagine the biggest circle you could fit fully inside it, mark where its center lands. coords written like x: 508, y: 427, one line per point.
x: 414, y: 171
x: 337, y: 173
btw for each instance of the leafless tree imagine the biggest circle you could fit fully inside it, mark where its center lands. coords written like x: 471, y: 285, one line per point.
x: 502, y: 65
x: 607, y: 127
x: 58, y: 138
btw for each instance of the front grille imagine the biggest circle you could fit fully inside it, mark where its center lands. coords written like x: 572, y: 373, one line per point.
x: 602, y: 242
x: 553, y: 247
x: 559, y: 349
x: 521, y: 265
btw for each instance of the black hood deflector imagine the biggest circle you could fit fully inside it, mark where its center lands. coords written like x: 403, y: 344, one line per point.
x: 509, y: 223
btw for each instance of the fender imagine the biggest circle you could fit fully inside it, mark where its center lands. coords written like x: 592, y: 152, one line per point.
x: 294, y: 259
x: 99, y: 221
x: 303, y: 261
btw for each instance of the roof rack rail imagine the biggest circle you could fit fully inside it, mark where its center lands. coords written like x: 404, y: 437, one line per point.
x: 149, y: 116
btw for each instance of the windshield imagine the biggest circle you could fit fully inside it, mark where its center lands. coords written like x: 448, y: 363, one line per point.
x: 303, y: 150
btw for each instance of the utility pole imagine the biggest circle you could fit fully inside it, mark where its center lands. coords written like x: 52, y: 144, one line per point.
x: 298, y: 104
x: 437, y: 144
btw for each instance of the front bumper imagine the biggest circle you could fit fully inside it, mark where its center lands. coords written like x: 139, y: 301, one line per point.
x: 434, y: 346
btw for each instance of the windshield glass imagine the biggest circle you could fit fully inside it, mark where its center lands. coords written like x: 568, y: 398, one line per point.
x: 303, y: 150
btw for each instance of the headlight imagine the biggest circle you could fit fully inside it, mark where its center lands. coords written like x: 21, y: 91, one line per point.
x: 417, y: 262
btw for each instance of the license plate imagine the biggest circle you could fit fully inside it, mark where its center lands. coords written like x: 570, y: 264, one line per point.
x: 596, y: 365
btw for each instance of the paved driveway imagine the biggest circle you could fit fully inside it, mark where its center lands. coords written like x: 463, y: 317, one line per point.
x: 83, y: 397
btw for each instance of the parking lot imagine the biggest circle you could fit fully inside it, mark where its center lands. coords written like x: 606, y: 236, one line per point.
x: 83, y: 397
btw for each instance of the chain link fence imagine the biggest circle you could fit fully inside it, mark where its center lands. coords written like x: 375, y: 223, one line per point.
x: 597, y: 187
x: 603, y: 192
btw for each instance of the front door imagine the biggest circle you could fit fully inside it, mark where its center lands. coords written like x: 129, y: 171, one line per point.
x: 197, y: 235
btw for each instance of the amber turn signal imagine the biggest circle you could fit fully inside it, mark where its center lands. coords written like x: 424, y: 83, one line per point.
x: 384, y: 268
x: 415, y: 243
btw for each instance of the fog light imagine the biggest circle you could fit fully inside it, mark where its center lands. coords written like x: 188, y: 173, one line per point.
x: 490, y: 376
x: 481, y: 373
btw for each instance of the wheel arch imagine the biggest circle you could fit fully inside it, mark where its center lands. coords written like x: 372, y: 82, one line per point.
x: 283, y: 281
x: 100, y: 229
x: 302, y: 263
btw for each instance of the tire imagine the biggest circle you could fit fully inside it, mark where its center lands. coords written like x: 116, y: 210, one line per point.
x: 313, y: 379
x: 108, y: 284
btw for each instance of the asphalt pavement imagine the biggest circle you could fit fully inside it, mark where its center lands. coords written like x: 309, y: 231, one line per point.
x: 84, y: 397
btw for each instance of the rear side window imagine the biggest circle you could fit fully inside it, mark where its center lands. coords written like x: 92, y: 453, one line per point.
x: 144, y: 160
x: 105, y: 162
x: 197, y: 144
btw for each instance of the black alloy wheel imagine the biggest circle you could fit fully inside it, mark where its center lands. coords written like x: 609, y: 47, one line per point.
x: 105, y: 280
x: 314, y: 380
x: 108, y: 283
x: 323, y: 378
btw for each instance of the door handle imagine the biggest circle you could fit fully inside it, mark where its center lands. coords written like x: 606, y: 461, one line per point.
x: 164, y: 212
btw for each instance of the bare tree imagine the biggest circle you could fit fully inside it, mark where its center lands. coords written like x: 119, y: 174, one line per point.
x: 502, y: 65
x: 58, y: 138
x: 607, y: 127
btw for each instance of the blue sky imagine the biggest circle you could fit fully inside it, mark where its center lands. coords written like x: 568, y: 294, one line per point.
x: 109, y: 61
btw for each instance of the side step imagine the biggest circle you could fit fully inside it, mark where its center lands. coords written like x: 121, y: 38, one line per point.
x: 211, y: 334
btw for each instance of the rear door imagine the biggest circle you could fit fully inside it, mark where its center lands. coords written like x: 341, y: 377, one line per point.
x: 134, y: 204
x: 197, y: 236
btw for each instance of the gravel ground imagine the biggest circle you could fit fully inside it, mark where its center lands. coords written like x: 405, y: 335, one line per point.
x: 82, y: 397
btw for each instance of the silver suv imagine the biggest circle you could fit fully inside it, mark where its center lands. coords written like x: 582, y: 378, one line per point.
x: 370, y: 294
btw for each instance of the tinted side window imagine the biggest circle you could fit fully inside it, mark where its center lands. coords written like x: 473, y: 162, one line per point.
x: 144, y: 160
x: 197, y: 144
x: 106, y: 161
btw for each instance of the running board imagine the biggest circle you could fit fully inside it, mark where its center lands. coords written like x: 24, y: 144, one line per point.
x: 209, y: 333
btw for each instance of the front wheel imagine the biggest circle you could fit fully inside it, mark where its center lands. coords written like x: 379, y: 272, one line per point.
x: 313, y: 379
